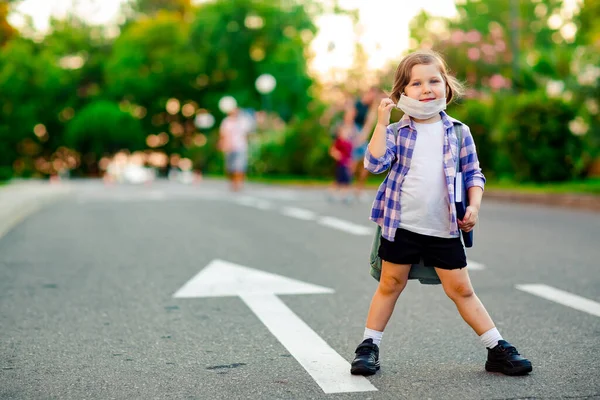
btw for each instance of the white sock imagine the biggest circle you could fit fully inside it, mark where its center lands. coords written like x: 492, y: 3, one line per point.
x: 490, y: 338
x: 372, y: 334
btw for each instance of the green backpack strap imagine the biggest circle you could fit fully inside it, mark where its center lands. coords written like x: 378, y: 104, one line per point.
x: 459, y: 131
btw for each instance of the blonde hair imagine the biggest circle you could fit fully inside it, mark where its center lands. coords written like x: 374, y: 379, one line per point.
x: 454, y: 88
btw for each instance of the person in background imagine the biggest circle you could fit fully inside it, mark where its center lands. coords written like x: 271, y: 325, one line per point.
x: 341, y: 152
x: 233, y: 142
x: 365, y: 117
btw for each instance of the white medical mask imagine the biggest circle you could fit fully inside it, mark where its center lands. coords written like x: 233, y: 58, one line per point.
x: 421, y: 109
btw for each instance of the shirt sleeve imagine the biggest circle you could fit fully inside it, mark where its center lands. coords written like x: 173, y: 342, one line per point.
x: 469, y: 161
x: 382, y: 164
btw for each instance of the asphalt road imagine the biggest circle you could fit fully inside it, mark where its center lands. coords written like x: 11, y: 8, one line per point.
x: 88, y: 307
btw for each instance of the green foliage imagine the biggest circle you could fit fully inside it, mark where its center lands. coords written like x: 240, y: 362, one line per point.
x: 246, y: 38
x: 151, y: 61
x: 151, y: 7
x: 538, y: 139
x: 102, y: 128
x: 301, y: 149
x: 479, y: 116
x: 5, y: 173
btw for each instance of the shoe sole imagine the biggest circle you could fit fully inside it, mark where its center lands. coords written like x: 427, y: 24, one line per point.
x: 516, y: 371
x: 363, y: 370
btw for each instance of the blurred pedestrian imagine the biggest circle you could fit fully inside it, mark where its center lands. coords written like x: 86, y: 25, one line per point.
x: 365, y: 117
x: 415, y: 206
x: 233, y: 142
x: 341, y: 152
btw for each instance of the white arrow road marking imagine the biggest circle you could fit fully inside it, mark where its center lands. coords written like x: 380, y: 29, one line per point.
x: 345, y: 226
x: 562, y: 297
x: 299, y: 213
x: 258, y: 289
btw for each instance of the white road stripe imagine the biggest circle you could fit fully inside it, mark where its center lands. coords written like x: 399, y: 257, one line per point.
x: 562, y: 297
x: 254, y: 202
x: 474, y: 266
x: 345, y: 226
x: 299, y: 213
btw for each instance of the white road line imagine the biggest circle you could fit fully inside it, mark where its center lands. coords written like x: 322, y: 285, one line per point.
x: 345, y: 226
x: 562, y: 297
x: 474, y: 266
x: 299, y: 213
x: 254, y: 202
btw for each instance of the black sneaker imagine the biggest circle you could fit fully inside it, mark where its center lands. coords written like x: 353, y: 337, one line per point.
x: 506, y: 359
x: 366, y: 361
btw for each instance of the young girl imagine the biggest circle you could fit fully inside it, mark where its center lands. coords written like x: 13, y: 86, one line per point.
x: 415, y: 207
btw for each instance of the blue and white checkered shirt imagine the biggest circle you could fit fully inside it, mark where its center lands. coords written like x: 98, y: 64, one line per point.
x: 398, y: 155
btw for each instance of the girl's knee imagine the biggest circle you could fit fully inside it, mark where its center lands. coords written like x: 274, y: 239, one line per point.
x: 459, y: 290
x: 390, y: 285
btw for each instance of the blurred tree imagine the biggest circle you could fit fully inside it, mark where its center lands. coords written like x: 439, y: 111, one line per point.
x: 80, y: 51
x: 33, y: 87
x: 44, y: 85
x: 539, y: 146
x: 102, y: 128
x: 501, y: 44
x: 585, y: 81
x: 6, y: 30
x: 246, y: 38
x: 151, y: 62
x: 135, y: 8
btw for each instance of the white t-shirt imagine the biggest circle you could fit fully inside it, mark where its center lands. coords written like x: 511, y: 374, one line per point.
x: 424, y: 194
x: 235, y: 131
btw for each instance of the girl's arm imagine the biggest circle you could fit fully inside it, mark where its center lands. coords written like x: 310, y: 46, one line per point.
x: 377, y: 165
x: 378, y: 142
x: 380, y: 154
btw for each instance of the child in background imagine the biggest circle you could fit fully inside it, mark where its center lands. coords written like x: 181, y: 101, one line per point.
x: 341, y: 151
x: 415, y: 207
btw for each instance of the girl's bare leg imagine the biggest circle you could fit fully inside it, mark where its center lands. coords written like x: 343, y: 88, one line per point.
x: 392, y: 282
x: 457, y: 286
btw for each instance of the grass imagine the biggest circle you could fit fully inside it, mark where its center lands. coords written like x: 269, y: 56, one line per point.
x: 587, y: 186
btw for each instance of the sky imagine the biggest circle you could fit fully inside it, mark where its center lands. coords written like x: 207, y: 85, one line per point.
x: 384, y: 26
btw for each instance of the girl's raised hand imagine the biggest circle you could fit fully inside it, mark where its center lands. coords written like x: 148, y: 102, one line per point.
x: 384, y: 111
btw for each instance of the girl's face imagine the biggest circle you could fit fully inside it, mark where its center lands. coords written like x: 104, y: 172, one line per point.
x: 426, y: 83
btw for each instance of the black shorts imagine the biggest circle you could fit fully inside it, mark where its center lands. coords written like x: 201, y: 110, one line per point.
x: 409, y: 247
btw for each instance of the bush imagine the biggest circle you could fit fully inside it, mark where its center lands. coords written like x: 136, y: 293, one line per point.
x: 6, y: 173
x: 301, y: 149
x: 102, y: 128
x: 479, y: 116
x: 539, y: 142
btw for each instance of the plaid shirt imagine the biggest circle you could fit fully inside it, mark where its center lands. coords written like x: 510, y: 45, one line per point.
x: 398, y: 155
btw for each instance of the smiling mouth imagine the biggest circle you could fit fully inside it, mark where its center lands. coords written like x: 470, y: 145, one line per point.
x: 427, y: 99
